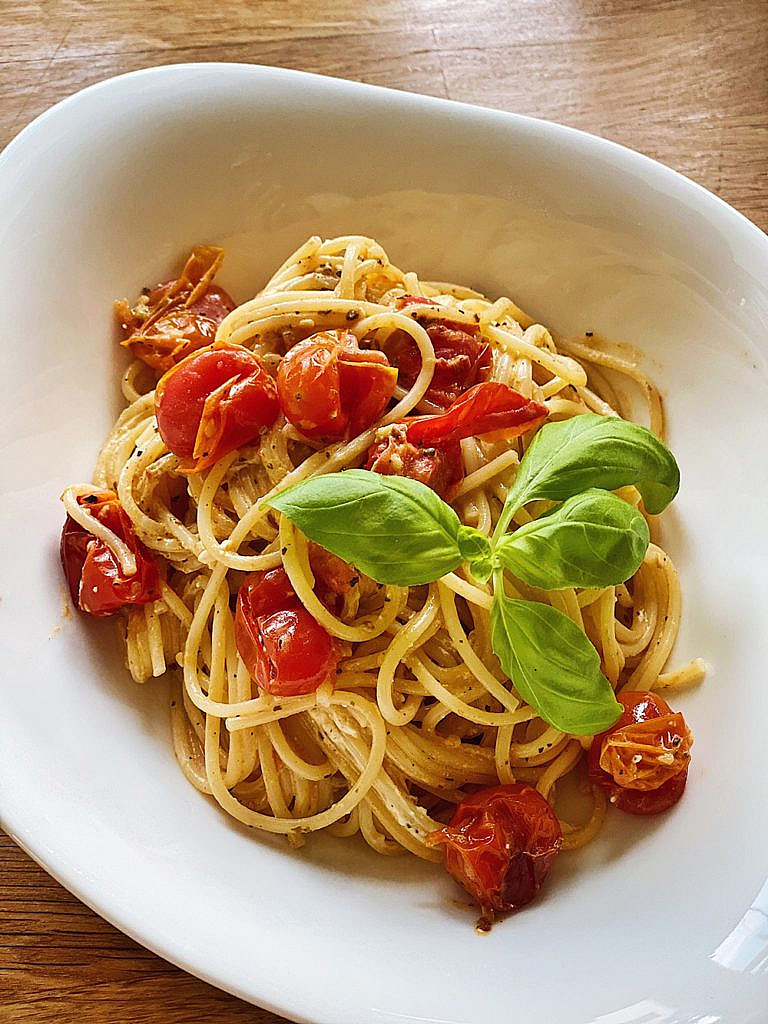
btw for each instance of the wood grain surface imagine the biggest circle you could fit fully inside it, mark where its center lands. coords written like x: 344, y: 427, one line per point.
x: 685, y: 81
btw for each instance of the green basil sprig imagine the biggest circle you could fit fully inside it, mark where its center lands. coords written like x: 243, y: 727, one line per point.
x: 398, y: 531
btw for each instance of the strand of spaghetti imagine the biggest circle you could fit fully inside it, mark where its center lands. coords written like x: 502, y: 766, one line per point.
x: 292, y: 760
x: 365, y: 712
x: 545, y: 741
x: 427, y: 766
x: 561, y: 765
x: 501, y: 749
x: 627, y: 367
x: 296, y: 562
x: 467, y: 653
x: 667, y: 625
x: 405, y: 639
x: 216, y: 584
x: 576, y: 836
x: 687, y: 675
x: 247, y: 718
x: 605, y: 619
x: 558, y: 365
x: 83, y: 518
x: 345, y: 289
x: 456, y: 706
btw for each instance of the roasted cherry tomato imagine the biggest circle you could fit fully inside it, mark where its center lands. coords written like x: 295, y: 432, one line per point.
x: 643, y: 759
x: 177, y: 317
x: 484, y: 409
x: 462, y: 359
x: 393, y: 454
x: 331, y: 389
x: 214, y: 401
x: 334, y: 578
x: 500, y: 845
x: 286, y: 651
x: 426, y: 448
x: 96, y: 580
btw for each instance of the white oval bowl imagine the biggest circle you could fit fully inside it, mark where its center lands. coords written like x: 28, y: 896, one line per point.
x: 659, y: 920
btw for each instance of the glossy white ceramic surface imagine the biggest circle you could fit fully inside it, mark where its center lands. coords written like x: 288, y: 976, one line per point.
x: 660, y: 921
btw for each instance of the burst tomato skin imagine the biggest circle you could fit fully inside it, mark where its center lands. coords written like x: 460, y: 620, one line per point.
x: 427, y: 448
x: 213, y: 402
x: 500, y: 845
x: 95, y: 578
x: 330, y: 389
x: 462, y: 358
x: 177, y: 317
x: 642, y: 760
x: 488, y: 408
x: 286, y: 651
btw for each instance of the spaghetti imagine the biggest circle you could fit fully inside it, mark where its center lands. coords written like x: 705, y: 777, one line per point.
x: 418, y: 715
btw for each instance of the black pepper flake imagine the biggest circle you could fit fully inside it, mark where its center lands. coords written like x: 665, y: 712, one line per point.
x: 352, y: 314
x: 90, y: 498
x: 284, y: 551
x: 588, y: 334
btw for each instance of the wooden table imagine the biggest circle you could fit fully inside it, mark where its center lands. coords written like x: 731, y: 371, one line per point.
x: 684, y: 81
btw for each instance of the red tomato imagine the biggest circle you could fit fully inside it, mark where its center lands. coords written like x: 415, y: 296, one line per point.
x: 462, y: 359
x: 500, y: 845
x: 484, y: 409
x: 393, y: 454
x: 331, y: 389
x: 268, y: 592
x: 334, y: 578
x: 171, y: 338
x: 286, y: 651
x: 643, y: 759
x: 177, y: 317
x: 96, y: 580
x: 212, y: 402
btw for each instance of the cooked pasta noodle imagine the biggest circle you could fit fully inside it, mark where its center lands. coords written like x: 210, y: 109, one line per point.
x: 420, y: 712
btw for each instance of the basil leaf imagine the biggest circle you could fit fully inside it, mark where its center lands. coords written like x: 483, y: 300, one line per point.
x: 476, y: 551
x: 553, y: 665
x: 393, y: 529
x: 567, y: 457
x: 592, y: 540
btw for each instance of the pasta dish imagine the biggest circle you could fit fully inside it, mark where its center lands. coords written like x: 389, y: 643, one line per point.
x: 397, y: 547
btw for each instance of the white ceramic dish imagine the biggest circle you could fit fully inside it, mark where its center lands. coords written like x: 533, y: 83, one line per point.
x: 659, y: 921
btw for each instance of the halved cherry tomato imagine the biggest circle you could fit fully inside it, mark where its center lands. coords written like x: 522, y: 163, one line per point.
x: 177, y: 317
x: 285, y: 649
x: 643, y: 759
x: 95, y: 578
x: 488, y: 408
x: 462, y: 359
x: 440, y: 467
x: 500, y: 845
x: 212, y: 402
x: 331, y: 389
